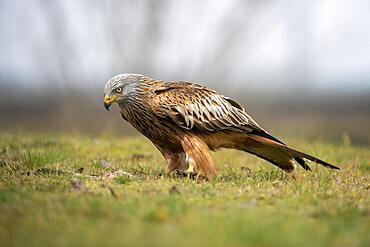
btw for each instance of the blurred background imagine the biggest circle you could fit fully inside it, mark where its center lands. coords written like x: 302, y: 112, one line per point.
x: 301, y: 68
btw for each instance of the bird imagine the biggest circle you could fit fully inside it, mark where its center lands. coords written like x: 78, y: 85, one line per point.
x: 185, y: 121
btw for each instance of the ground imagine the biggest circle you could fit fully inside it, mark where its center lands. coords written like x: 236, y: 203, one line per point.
x: 58, y: 190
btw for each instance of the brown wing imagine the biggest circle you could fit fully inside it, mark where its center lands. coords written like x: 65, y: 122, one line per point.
x: 192, y: 106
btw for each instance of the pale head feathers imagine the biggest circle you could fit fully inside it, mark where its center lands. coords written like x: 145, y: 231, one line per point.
x: 121, y: 80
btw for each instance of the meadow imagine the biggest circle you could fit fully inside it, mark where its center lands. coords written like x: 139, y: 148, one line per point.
x: 78, y: 190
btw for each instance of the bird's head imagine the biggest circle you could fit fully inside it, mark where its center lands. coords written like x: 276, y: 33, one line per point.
x: 121, y: 88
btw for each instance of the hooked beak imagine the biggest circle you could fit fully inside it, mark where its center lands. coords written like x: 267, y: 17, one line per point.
x: 108, y: 100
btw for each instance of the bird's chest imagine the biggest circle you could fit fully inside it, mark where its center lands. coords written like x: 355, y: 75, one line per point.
x: 151, y: 126
x: 141, y: 119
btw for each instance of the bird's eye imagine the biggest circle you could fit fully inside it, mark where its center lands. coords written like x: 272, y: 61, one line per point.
x: 119, y: 89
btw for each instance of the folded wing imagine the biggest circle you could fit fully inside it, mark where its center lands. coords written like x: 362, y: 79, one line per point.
x: 192, y: 106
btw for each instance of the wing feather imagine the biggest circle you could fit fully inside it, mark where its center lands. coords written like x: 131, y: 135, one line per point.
x: 192, y: 106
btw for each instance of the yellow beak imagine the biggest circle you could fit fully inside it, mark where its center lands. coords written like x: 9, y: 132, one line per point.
x: 108, y: 100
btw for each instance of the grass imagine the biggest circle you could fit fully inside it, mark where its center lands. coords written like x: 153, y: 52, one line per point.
x: 61, y: 190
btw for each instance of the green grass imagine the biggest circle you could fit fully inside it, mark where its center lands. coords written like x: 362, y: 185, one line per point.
x: 44, y: 202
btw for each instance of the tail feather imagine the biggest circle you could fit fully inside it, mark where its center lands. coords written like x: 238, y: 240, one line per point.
x: 303, y: 163
x: 267, y: 135
x: 312, y: 158
x: 279, y: 154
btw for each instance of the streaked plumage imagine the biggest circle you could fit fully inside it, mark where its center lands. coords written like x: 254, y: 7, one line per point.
x: 186, y: 120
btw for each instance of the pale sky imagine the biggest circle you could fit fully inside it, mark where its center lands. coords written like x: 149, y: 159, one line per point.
x: 316, y: 44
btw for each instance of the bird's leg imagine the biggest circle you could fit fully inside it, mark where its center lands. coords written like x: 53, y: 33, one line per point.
x: 197, y: 156
x: 181, y: 163
x: 171, y: 158
x: 185, y: 162
x: 174, y: 160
